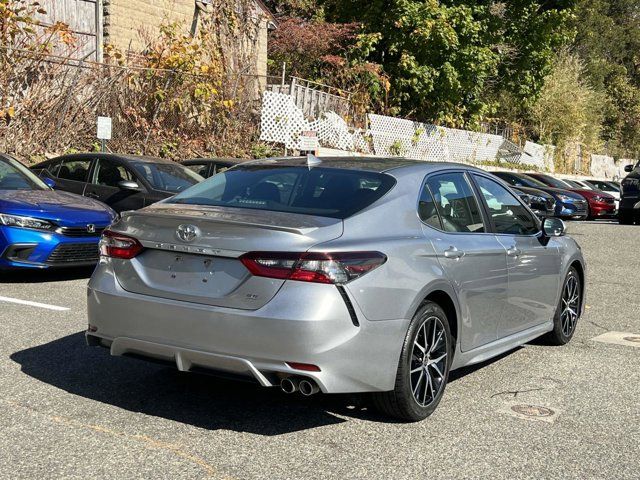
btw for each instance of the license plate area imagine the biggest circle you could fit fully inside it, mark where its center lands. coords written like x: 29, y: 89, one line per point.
x: 190, y: 274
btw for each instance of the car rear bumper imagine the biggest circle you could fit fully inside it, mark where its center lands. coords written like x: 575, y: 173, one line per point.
x: 24, y: 248
x: 304, y: 323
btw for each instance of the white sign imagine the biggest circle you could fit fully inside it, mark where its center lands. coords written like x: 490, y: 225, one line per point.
x: 308, y: 141
x: 104, y: 128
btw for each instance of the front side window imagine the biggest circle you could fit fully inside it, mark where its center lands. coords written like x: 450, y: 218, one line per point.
x: 507, y: 213
x: 328, y: 192
x: 76, y: 170
x: 455, y: 203
x: 109, y: 174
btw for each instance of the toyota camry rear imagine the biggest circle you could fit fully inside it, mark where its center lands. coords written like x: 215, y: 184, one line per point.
x: 334, y: 275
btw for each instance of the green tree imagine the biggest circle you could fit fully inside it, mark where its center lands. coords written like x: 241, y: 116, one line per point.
x: 568, y: 110
x: 608, y: 42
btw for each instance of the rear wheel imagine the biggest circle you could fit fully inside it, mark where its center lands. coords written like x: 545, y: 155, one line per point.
x: 423, y: 369
x: 568, y: 311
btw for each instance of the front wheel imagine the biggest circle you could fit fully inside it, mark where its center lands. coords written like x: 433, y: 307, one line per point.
x: 625, y: 218
x: 568, y: 311
x: 423, y: 369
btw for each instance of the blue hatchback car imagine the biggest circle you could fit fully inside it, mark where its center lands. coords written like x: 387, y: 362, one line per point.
x: 41, y: 228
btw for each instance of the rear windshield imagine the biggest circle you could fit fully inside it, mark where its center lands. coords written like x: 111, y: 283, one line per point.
x: 168, y: 177
x: 325, y: 192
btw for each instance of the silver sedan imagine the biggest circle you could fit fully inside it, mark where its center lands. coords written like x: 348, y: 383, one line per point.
x: 337, y: 275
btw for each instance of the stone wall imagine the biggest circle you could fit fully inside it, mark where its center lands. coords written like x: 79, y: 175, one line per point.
x: 128, y: 22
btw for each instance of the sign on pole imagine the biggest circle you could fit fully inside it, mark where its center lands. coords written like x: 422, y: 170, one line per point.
x: 104, y: 132
x: 104, y: 128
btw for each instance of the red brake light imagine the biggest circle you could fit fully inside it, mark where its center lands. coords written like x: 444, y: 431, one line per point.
x: 117, y: 245
x: 336, y: 268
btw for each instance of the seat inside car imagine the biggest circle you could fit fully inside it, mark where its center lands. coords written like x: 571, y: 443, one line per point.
x: 109, y: 175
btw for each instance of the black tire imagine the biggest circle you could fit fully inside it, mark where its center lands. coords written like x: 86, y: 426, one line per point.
x: 560, y: 335
x: 400, y: 402
x: 625, y: 219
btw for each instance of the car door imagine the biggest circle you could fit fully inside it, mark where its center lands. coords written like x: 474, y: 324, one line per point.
x: 105, y: 185
x: 471, y: 257
x: 533, y: 264
x: 72, y: 174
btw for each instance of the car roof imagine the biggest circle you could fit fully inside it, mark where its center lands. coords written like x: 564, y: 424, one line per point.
x: 230, y: 161
x: 115, y: 156
x: 371, y: 164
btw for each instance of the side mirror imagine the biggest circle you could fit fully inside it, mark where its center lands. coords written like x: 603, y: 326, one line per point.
x: 628, y: 168
x: 553, y: 227
x: 128, y: 185
x: 49, y: 182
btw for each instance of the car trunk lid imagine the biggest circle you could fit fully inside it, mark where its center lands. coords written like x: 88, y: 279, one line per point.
x: 207, y: 269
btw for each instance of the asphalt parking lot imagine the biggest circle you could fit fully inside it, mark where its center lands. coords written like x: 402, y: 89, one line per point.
x: 67, y: 410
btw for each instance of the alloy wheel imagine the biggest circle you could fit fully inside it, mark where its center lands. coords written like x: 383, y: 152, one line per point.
x: 428, y: 363
x: 570, y: 306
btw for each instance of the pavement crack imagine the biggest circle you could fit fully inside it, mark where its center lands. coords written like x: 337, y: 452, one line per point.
x: 597, y: 325
x: 515, y: 393
x: 146, y: 441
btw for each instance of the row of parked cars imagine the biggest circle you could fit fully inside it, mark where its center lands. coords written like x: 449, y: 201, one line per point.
x: 54, y: 213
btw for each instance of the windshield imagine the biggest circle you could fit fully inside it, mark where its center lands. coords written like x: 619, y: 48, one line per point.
x: 326, y: 192
x: 555, y: 182
x: 15, y: 176
x: 169, y: 177
x: 573, y: 184
x: 531, y: 182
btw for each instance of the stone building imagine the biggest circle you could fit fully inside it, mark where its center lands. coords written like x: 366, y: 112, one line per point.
x: 120, y: 22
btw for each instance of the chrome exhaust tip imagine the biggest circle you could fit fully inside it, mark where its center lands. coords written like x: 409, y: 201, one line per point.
x: 308, y: 388
x: 289, y: 385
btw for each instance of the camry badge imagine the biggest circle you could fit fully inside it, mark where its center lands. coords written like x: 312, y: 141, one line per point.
x: 187, y: 233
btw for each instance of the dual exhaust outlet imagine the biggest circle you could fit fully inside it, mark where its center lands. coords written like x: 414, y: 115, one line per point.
x: 305, y: 386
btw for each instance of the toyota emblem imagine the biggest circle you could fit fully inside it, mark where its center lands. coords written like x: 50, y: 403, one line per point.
x: 187, y: 233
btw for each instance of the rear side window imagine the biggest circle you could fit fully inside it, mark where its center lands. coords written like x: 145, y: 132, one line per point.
x: 327, y: 192
x: 74, y: 170
x: 427, y: 209
x: 455, y: 202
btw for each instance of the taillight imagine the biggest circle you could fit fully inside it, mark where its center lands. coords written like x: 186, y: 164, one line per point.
x: 336, y: 268
x: 117, y: 245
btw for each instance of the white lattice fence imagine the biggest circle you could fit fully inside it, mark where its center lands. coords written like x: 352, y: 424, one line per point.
x: 399, y: 137
x: 282, y: 121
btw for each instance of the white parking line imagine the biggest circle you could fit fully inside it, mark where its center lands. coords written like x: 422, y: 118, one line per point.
x: 33, y: 304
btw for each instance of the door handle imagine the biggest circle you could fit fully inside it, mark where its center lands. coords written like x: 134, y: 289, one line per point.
x: 92, y: 195
x: 453, y: 252
x: 514, y: 252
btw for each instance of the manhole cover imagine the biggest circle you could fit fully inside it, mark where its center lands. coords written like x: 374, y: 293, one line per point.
x: 532, y: 410
x: 632, y: 339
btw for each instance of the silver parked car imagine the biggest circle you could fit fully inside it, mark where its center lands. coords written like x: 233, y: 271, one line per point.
x: 337, y: 275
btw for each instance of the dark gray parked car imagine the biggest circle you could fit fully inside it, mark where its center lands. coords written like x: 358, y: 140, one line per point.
x: 124, y: 182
